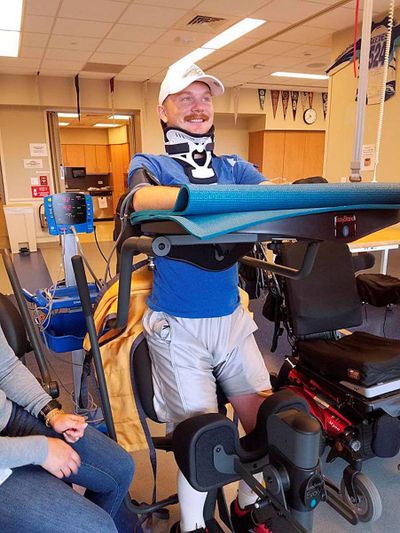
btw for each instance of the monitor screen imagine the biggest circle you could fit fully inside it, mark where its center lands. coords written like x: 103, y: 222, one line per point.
x: 69, y: 208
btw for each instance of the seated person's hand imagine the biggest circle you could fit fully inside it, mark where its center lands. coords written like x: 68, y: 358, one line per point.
x: 71, y: 426
x: 61, y: 459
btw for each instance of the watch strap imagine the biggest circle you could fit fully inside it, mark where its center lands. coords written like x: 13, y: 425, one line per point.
x: 50, y: 406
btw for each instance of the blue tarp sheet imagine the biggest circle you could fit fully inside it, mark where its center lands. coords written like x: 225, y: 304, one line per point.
x: 207, y: 211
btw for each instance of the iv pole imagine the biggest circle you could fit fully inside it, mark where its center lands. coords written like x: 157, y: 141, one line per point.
x: 362, y: 92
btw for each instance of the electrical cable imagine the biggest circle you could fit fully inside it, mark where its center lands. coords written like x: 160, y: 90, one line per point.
x: 383, y: 89
x: 124, y: 212
x: 100, y: 250
x: 99, y: 283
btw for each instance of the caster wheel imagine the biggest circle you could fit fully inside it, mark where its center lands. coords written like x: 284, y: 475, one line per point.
x: 369, y: 507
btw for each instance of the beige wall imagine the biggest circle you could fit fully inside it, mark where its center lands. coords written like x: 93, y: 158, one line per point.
x: 117, y: 135
x: 341, y: 124
x: 84, y: 135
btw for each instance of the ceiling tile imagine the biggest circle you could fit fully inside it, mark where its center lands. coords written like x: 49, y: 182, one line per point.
x: 288, y: 10
x: 302, y: 34
x: 337, y: 19
x: 173, y: 52
x: 280, y: 62
x: 274, y: 47
x: 31, y: 51
x: 145, y: 72
x: 152, y: 61
x: 74, y: 42
x: 101, y: 10
x: 19, y: 71
x: 325, y: 41
x: 37, y: 24
x: 131, y: 32
x: 241, y: 44
x: 269, y: 28
x: 184, y: 4
x: 67, y: 55
x: 81, y: 27
x: 20, y: 62
x: 239, y: 8
x: 248, y: 58
x: 42, y: 7
x: 116, y: 59
x: 34, y: 39
x: 60, y: 65
x: 59, y: 73
x: 307, y: 51
x: 192, y: 39
x: 121, y: 47
x: 96, y: 75
x: 152, y: 16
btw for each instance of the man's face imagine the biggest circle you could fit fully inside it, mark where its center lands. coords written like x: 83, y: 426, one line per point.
x: 191, y: 109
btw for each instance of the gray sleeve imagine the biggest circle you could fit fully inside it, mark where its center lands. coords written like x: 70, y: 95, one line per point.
x: 17, y: 382
x: 21, y: 451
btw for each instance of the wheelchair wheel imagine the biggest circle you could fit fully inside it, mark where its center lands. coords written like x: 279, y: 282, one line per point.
x: 369, y: 508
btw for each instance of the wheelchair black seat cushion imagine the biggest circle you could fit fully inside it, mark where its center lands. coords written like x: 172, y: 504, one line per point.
x: 360, y: 358
x: 13, y: 327
x: 379, y: 290
x: 195, y: 439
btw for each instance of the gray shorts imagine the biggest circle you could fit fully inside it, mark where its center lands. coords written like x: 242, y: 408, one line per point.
x: 189, y: 355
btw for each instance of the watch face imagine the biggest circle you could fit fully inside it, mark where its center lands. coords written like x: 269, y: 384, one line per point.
x: 309, y: 116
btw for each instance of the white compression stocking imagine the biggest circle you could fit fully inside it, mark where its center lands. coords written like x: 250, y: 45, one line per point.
x: 191, y: 503
x: 245, y: 495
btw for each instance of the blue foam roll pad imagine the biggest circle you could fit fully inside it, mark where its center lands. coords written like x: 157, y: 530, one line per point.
x: 208, y: 211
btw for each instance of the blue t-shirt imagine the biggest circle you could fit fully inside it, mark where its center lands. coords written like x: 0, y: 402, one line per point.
x: 181, y: 289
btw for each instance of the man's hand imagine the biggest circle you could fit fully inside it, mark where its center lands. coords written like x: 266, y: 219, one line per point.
x: 61, y: 459
x: 71, y: 426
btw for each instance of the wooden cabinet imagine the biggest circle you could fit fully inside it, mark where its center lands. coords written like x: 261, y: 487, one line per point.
x: 73, y: 155
x: 120, y: 158
x: 288, y: 155
x: 95, y: 157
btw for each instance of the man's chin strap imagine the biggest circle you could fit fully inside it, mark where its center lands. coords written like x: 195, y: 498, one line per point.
x: 194, y: 152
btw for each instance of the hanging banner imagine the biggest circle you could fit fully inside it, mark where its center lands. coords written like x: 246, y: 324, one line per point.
x: 285, y: 102
x: 78, y: 102
x: 112, y: 88
x: 376, y: 61
x: 235, y: 95
x: 294, y: 96
x: 310, y: 99
x: 324, y: 97
x: 261, y: 97
x: 304, y: 100
x: 274, y: 101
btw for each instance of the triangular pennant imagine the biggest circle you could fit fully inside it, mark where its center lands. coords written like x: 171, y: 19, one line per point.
x: 261, y: 97
x: 310, y: 98
x: 78, y: 103
x: 294, y: 95
x: 274, y: 101
x: 304, y: 100
x: 324, y: 103
x: 285, y: 102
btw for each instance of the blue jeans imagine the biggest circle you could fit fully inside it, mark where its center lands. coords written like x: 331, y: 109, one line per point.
x: 33, y: 500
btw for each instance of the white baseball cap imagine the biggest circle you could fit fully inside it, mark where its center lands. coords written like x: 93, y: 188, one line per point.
x: 178, y: 78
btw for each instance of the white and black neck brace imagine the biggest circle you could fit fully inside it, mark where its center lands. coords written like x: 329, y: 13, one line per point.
x: 193, y: 151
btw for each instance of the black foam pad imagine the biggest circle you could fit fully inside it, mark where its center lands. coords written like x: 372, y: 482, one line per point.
x: 13, y: 327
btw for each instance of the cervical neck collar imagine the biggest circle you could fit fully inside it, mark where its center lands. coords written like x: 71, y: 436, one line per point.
x: 193, y: 152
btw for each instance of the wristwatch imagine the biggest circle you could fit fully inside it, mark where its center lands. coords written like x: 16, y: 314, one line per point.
x: 53, y: 404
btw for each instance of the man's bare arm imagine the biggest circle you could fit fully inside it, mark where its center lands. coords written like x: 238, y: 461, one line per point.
x: 156, y: 197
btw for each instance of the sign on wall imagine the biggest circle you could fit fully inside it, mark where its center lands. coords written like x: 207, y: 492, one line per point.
x: 38, y: 149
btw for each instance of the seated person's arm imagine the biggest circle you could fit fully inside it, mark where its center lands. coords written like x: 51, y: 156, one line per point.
x: 155, y: 197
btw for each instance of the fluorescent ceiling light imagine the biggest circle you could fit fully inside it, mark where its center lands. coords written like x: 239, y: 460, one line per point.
x: 10, y: 15
x: 231, y: 34
x: 101, y: 125
x: 119, y: 117
x: 68, y: 115
x: 63, y: 123
x: 10, y: 27
x: 300, y: 75
x: 9, y: 43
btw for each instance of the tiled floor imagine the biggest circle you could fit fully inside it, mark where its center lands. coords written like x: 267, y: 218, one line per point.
x: 383, y: 472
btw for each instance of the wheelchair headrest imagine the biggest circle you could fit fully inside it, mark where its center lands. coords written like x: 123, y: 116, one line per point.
x: 13, y: 327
